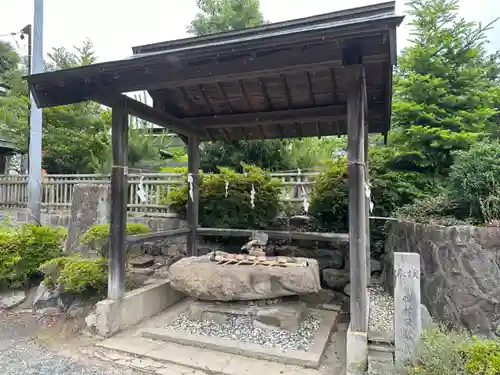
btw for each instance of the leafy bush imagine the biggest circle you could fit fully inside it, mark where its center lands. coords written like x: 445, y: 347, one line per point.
x: 97, y: 237
x: 451, y: 353
x: 24, y: 249
x: 483, y: 357
x: 475, y: 181
x: 389, y: 190
x: 235, y: 210
x: 76, y: 275
x: 432, y: 209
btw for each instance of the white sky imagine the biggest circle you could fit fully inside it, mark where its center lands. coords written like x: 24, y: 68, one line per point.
x: 69, y: 22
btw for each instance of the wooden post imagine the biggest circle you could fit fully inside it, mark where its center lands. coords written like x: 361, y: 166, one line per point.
x: 193, y: 203
x: 357, y: 201
x: 119, y: 189
x: 367, y: 206
x: 407, y: 312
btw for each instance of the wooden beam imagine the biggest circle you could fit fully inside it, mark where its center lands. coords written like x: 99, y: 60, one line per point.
x: 153, y: 115
x: 269, y: 118
x: 119, y: 189
x: 357, y: 200
x: 194, y: 201
x: 138, y: 238
x: 163, y: 72
x: 314, y: 236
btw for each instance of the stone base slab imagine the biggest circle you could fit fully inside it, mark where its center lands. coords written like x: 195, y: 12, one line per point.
x: 310, y: 359
x: 285, y: 315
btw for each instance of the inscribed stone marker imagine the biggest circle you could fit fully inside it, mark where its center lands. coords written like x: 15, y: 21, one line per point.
x: 407, y: 313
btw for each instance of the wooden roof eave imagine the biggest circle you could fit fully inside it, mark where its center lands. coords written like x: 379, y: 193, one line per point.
x: 136, y: 73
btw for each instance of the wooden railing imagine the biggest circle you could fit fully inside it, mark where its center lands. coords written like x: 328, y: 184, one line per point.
x: 146, y: 190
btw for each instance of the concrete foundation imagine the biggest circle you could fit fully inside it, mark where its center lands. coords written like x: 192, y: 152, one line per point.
x: 310, y: 359
x: 357, y: 352
x: 111, y: 317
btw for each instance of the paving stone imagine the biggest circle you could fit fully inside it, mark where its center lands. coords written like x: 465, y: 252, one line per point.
x: 11, y: 299
x: 142, y: 262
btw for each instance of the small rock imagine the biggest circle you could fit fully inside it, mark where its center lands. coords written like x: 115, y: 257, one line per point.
x: 162, y: 273
x: 338, y: 259
x: 427, y: 321
x: 331, y: 307
x: 143, y: 271
x: 336, y: 279
x: 49, y: 311
x: 91, y: 321
x: 12, y: 299
x: 78, y: 309
x: 45, y: 297
x: 315, y: 299
x: 375, y: 267
x: 142, y: 262
x: 347, y: 290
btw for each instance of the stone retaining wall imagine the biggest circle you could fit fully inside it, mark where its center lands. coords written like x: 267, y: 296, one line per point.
x: 460, y: 272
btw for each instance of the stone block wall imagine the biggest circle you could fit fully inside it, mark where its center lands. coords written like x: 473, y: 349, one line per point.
x: 460, y: 265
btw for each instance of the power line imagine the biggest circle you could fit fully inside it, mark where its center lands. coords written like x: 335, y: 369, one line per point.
x: 10, y: 34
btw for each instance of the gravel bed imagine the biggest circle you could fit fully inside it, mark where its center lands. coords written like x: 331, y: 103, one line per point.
x: 381, y: 310
x: 241, y: 328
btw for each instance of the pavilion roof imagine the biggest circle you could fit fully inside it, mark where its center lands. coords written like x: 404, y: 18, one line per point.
x: 282, y: 80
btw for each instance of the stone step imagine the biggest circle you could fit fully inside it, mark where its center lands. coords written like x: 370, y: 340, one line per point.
x: 165, y: 358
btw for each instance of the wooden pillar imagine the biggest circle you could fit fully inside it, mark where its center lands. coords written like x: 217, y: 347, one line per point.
x: 357, y: 200
x: 194, y: 203
x: 119, y: 189
x: 368, y: 200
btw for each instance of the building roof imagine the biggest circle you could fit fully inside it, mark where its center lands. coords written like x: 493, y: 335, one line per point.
x: 279, y: 80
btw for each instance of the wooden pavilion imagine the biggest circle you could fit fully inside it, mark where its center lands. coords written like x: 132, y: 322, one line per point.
x: 319, y: 76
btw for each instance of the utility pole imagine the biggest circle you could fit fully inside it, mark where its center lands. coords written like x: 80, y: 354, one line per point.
x: 35, y: 141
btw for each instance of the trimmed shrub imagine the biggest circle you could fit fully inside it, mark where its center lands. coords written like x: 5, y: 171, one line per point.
x: 235, y: 210
x: 77, y: 275
x: 97, y: 237
x: 24, y: 249
x: 451, y: 353
x: 475, y: 182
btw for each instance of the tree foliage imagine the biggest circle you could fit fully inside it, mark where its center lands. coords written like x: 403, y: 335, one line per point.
x: 446, y: 90
x: 225, y: 15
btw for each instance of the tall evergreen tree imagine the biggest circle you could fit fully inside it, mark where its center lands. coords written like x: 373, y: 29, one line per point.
x: 446, y: 89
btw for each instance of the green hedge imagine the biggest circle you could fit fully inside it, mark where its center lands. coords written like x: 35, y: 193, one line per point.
x: 24, y: 249
x: 235, y: 210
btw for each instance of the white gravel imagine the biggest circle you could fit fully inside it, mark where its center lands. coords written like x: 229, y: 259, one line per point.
x: 381, y: 310
x: 240, y: 328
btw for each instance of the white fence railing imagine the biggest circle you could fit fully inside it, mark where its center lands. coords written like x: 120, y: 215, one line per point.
x: 146, y: 190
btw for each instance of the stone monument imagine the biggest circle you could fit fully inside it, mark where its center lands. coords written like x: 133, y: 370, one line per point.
x: 253, y: 284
